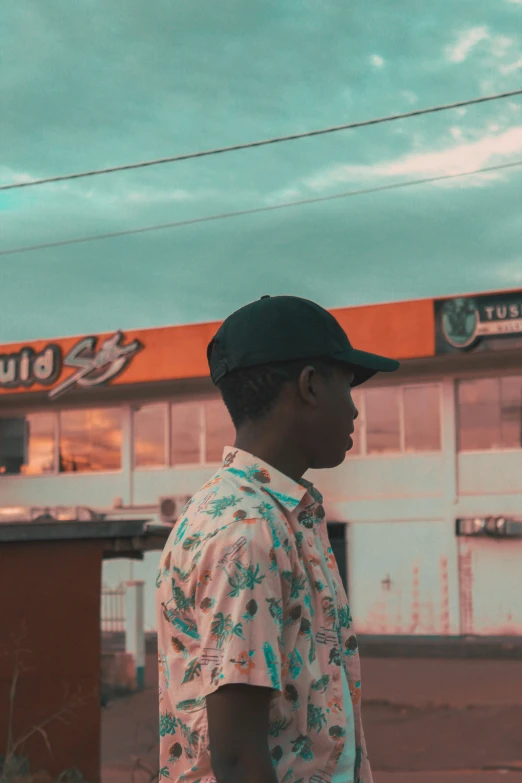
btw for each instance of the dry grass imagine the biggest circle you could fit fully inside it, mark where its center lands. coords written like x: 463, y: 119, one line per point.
x: 14, y: 766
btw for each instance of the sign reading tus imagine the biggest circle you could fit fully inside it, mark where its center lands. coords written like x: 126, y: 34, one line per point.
x: 93, y: 365
x: 464, y: 322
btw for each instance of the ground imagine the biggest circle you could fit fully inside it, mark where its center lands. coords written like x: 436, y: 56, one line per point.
x: 426, y: 721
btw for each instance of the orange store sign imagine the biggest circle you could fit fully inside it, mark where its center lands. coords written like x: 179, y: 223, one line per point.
x: 176, y: 352
x: 92, y: 365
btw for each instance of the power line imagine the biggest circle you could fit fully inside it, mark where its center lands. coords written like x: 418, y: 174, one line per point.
x: 262, y: 143
x: 256, y: 210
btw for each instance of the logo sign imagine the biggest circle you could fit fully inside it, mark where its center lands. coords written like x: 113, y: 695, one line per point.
x: 93, y: 366
x: 464, y: 321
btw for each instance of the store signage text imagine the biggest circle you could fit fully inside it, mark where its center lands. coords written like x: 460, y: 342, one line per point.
x: 92, y: 365
x: 464, y: 320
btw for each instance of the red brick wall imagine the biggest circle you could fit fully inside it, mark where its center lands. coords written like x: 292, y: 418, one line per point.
x: 55, y: 588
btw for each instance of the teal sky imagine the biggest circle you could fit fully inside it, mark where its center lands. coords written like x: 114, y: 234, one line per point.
x: 86, y: 85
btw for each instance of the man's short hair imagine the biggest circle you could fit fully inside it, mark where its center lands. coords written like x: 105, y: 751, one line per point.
x: 250, y: 394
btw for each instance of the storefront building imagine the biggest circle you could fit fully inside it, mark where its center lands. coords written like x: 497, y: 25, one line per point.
x: 425, y: 514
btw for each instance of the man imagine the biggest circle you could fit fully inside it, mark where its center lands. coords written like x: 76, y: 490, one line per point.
x: 259, y: 666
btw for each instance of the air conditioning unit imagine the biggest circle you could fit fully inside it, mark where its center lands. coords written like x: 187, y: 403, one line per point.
x: 171, y: 506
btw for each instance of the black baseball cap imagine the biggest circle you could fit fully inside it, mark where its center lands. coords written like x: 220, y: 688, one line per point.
x: 287, y: 328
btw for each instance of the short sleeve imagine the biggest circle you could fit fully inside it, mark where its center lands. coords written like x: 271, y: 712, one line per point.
x: 239, y: 608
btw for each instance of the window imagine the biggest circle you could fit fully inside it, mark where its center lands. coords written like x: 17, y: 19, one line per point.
x: 150, y: 430
x: 421, y: 418
x: 219, y: 430
x: 27, y: 444
x: 397, y: 420
x: 511, y: 412
x: 490, y: 414
x: 90, y: 440
x: 383, y: 426
x: 185, y: 442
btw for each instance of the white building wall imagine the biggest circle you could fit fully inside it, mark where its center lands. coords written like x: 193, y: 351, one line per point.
x: 408, y: 573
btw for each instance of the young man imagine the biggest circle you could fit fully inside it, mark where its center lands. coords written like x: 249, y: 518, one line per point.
x: 259, y: 667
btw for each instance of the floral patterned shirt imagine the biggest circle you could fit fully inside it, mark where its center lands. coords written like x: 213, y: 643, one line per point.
x: 243, y: 597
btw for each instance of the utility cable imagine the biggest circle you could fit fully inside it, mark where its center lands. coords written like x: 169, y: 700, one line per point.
x: 256, y: 210
x: 262, y: 143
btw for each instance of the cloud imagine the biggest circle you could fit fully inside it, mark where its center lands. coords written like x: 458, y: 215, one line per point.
x: 500, y: 44
x: 466, y: 41
x: 515, y: 66
x: 515, y: 2
x: 510, y: 272
x: 458, y: 159
x: 409, y: 96
x: 377, y: 61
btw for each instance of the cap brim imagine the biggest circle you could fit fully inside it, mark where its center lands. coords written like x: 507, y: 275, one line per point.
x: 366, y: 365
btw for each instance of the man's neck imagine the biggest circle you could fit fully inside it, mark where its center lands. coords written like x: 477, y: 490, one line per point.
x: 283, y: 456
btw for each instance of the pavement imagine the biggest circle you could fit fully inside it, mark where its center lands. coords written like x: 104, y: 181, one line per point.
x: 426, y: 721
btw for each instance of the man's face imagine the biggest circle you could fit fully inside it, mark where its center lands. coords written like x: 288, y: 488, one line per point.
x: 330, y: 420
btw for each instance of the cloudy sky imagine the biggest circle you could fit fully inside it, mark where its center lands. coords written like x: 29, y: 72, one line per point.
x: 107, y: 82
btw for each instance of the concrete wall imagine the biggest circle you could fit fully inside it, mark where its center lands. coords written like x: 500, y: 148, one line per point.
x: 54, y: 589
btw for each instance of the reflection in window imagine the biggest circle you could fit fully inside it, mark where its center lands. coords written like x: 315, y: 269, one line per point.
x: 421, y: 418
x: 185, y: 444
x: 150, y: 429
x: 479, y: 415
x: 90, y: 440
x: 27, y: 444
x: 383, y: 427
x: 219, y: 430
x: 490, y: 414
x: 359, y: 423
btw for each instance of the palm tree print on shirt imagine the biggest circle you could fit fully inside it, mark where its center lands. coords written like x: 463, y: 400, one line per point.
x: 276, y: 612
x: 223, y: 628
x: 246, y: 578
x: 220, y: 505
x: 296, y: 581
x: 316, y: 718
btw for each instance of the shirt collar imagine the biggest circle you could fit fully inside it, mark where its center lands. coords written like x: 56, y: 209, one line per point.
x: 286, y: 491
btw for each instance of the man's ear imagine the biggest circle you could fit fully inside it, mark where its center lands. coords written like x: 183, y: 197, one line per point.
x: 307, y: 386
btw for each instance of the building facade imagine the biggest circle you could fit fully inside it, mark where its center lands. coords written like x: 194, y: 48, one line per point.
x: 425, y: 514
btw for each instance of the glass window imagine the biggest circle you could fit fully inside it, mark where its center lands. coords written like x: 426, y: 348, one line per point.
x: 27, y: 444
x: 219, y: 430
x: 150, y: 431
x: 421, y: 418
x: 359, y: 423
x: 511, y: 412
x: 479, y: 415
x: 185, y: 442
x: 90, y: 440
x: 383, y: 427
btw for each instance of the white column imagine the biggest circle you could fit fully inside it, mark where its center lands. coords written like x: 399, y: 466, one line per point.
x: 451, y: 598
x: 135, y: 627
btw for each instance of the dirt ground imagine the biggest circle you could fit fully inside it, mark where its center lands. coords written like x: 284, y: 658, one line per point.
x: 426, y: 721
